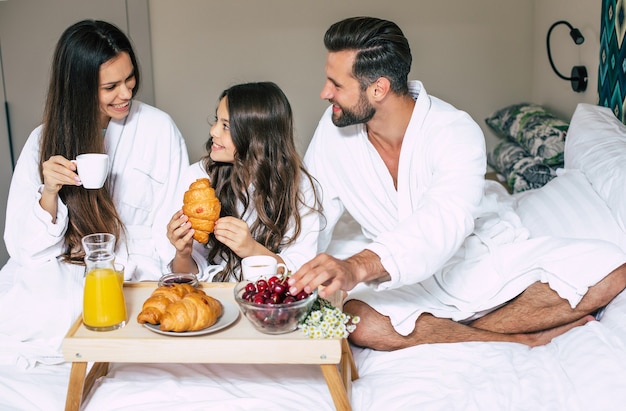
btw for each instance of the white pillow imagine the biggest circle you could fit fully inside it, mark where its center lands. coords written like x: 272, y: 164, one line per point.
x: 596, y: 145
x: 568, y: 206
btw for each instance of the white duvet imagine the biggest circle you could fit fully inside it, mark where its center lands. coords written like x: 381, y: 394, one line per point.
x: 585, y: 369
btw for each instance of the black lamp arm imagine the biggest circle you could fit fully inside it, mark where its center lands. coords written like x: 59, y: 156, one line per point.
x: 550, y: 52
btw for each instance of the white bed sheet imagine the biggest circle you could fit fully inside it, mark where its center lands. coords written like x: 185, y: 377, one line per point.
x: 584, y: 369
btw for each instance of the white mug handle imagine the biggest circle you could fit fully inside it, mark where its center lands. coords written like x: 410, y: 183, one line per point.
x: 279, y: 265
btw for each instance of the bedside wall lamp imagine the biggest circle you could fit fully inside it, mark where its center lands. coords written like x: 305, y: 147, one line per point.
x: 578, y: 77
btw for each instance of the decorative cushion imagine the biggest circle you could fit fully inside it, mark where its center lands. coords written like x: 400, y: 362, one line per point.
x: 596, y: 144
x: 521, y: 171
x: 569, y: 207
x: 538, y: 131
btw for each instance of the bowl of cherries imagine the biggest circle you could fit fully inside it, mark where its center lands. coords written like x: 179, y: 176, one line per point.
x: 269, y: 306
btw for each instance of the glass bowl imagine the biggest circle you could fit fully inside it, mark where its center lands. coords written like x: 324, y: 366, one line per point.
x: 273, y: 318
x: 180, y: 278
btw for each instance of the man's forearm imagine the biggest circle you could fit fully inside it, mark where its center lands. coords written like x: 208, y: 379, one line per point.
x: 368, y: 267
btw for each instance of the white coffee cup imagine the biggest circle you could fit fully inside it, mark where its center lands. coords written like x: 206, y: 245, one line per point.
x: 260, y: 265
x: 92, y: 169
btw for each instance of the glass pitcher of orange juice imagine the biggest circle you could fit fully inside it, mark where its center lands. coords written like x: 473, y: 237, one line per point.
x: 104, y: 308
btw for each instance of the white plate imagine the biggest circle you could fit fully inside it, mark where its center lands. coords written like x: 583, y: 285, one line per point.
x: 229, y: 315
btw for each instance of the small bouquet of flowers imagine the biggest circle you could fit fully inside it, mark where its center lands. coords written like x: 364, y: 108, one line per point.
x: 326, y: 321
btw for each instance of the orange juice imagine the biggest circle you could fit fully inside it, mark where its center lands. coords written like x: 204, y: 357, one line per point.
x: 104, y: 307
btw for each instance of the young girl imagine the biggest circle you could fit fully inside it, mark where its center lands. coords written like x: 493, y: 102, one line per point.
x: 269, y: 202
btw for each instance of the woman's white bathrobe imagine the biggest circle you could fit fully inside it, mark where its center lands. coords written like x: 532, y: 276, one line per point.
x: 40, y: 296
x: 452, y: 245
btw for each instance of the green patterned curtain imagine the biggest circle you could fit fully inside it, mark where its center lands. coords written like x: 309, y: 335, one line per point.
x: 612, y: 69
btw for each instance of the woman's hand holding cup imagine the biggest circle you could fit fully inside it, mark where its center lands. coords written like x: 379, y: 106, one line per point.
x: 58, y: 171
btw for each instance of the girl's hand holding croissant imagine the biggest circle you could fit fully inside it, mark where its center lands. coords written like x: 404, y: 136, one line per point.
x: 235, y: 234
x: 180, y: 234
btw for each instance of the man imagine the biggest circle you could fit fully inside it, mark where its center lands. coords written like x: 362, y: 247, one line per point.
x: 446, y: 262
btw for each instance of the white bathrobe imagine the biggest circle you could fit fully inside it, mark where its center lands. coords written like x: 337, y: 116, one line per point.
x: 423, y: 231
x: 40, y: 296
x: 294, y: 255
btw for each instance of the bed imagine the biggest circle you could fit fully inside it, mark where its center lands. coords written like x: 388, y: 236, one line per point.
x: 584, y: 369
x: 576, y: 191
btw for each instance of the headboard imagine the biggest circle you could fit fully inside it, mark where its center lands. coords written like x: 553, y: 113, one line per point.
x: 611, y: 71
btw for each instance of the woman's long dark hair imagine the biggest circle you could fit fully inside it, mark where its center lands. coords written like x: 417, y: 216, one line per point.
x: 71, y: 123
x: 266, y: 159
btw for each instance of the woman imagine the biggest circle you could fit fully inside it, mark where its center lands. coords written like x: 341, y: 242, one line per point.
x: 269, y: 202
x: 90, y: 109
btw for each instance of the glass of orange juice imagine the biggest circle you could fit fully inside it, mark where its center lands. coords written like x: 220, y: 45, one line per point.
x: 104, y: 307
x: 119, y: 269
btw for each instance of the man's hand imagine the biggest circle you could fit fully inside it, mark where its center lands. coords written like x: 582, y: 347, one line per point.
x: 335, y: 274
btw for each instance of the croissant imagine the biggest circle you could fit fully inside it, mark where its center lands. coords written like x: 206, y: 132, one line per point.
x: 180, y: 307
x: 194, y: 312
x: 155, y: 306
x: 202, y: 207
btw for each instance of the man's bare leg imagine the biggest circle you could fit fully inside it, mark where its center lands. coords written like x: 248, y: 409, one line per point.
x: 375, y: 331
x: 540, y: 308
x: 534, y: 318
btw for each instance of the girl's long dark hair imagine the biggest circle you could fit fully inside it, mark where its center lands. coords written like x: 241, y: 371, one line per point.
x: 266, y: 175
x: 71, y: 123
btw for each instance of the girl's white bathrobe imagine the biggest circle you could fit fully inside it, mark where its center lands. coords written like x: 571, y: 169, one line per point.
x: 294, y: 255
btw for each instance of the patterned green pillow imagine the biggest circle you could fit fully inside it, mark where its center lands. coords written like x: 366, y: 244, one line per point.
x: 538, y: 131
x: 522, y: 172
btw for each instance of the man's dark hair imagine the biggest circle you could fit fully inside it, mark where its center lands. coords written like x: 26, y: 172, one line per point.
x: 382, y: 50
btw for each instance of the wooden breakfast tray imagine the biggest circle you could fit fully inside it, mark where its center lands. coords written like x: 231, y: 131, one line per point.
x: 238, y: 343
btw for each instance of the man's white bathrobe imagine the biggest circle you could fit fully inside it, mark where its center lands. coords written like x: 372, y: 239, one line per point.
x: 452, y: 244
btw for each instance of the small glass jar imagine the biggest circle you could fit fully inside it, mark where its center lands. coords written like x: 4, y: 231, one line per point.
x: 179, y: 278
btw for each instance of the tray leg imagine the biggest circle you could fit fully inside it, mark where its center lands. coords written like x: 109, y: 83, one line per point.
x: 75, y: 386
x: 348, y: 367
x: 98, y: 370
x: 79, y: 386
x: 336, y: 387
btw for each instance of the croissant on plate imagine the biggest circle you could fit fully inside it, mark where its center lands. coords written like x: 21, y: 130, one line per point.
x: 202, y: 207
x: 154, y: 307
x: 194, y: 312
x: 180, y: 307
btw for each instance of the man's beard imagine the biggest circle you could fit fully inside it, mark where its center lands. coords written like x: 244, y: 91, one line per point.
x: 362, y: 113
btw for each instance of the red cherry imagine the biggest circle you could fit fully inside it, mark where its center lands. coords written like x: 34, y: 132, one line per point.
x: 276, y: 298
x: 272, y: 280
x: 261, y: 285
x: 289, y: 299
x: 302, y: 295
x: 280, y: 288
x: 250, y: 287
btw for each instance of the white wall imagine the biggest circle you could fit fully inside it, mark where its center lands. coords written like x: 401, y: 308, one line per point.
x: 548, y: 89
x: 476, y: 54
